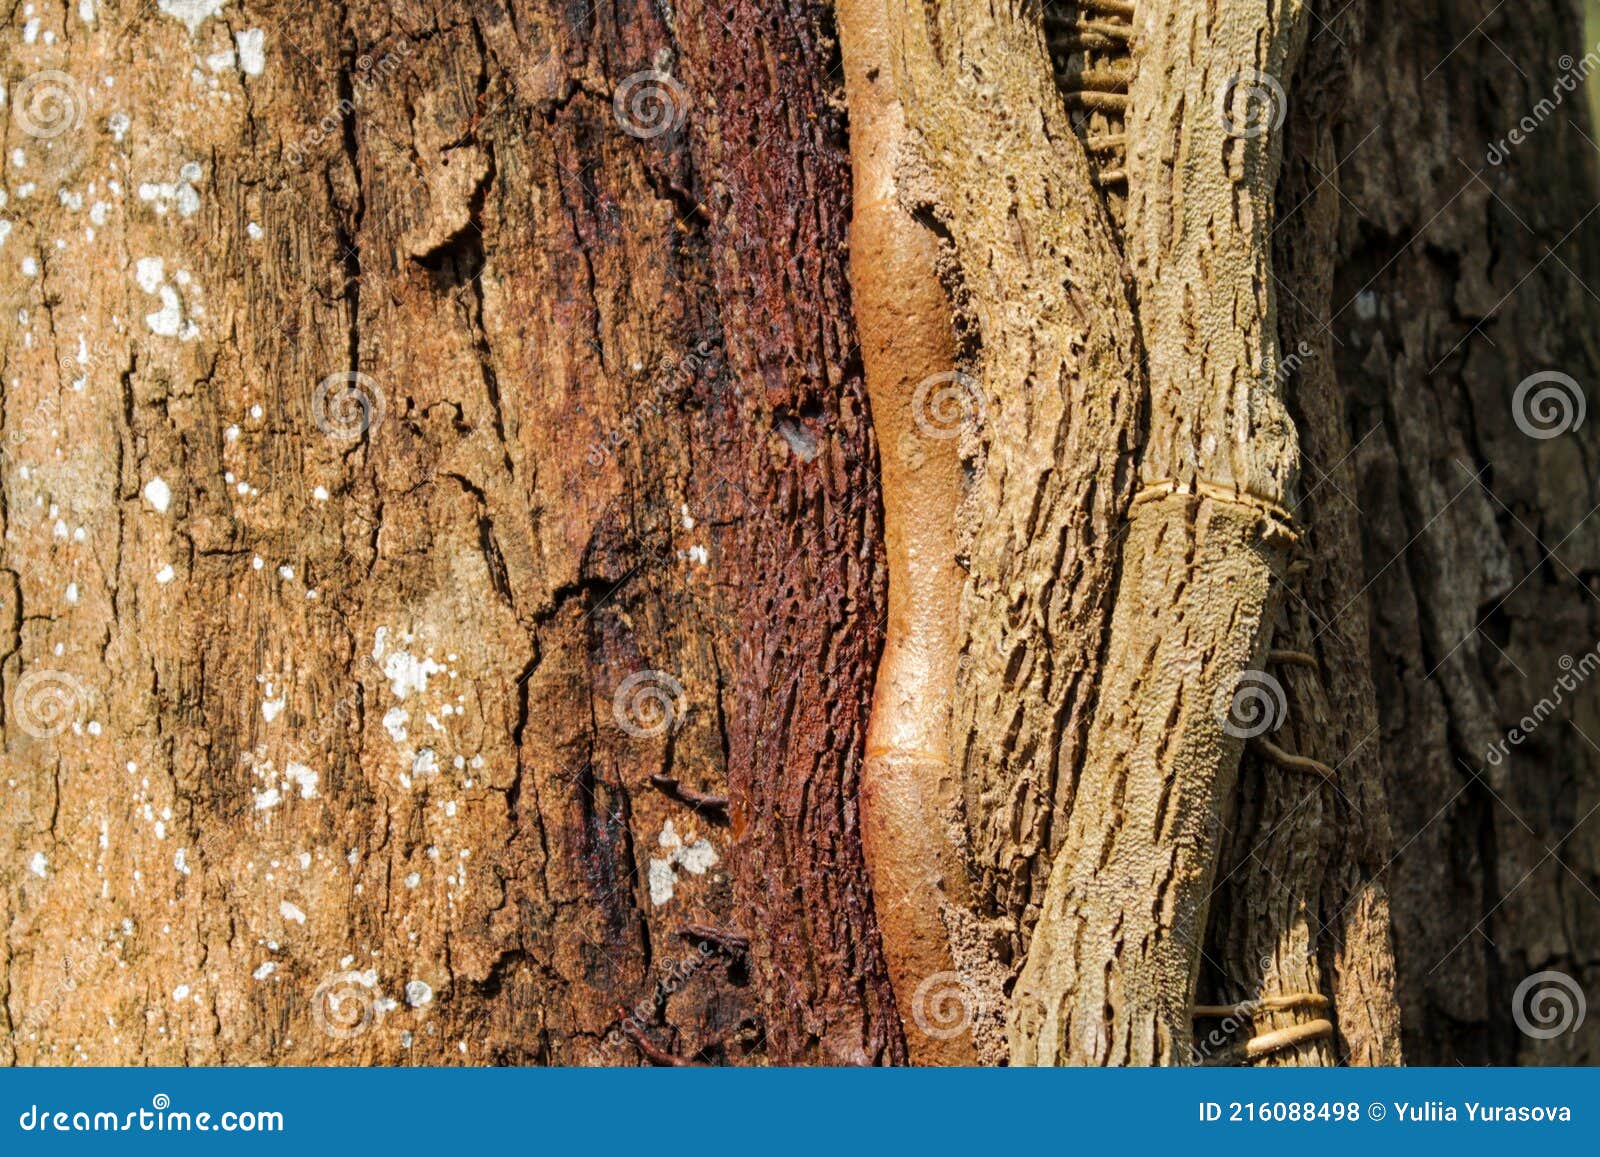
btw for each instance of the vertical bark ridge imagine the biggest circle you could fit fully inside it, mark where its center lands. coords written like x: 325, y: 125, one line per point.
x: 1110, y: 975
x: 1303, y: 907
x: 1051, y: 428
x: 910, y: 793
x: 805, y: 467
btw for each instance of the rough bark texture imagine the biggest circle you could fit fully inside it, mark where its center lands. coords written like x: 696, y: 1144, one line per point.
x: 1302, y: 906
x: 1056, y: 422
x: 1111, y: 972
x: 361, y: 707
x: 442, y: 561
x: 1464, y: 269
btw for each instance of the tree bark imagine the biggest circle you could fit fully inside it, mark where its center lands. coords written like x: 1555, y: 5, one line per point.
x: 1462, y: 272
x: 402, y: 733
x: 1111, y: 972
x: 444, y: 564
x: 1055, y: 420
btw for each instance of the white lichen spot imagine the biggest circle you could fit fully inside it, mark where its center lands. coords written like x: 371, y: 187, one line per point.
x: 267, y: 799
x: 254, y: 231
x: 418, y: 993
x: 265, y: 970
x: 291, y: 912
x: 150, y: 272
x: 272, y: 708
x: 180, y: 860
x: 181, y: 992
x: 320, y: 494
x: 413, y: 879
x: 168, y: 320
x: 166, y: 574
x: 39, y: 865
x: 158, y: 494
x: 394, y: 722
x: 304, y: 778
x: 193, y: 13
x: 695, y: 857
x: 252, y: 50
x: 407, y: 674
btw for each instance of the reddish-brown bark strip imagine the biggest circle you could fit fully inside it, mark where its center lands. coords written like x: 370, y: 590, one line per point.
x: 801, y: 457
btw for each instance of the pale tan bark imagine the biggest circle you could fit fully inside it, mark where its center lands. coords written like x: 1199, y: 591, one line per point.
x: 1042, y: 280
x: 1304, y: 905
x: 1114, y: 959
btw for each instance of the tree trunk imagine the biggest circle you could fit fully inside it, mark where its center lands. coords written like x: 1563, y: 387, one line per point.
x: 1463, y: 271
x: 450, y: 612
x: 404, y: 733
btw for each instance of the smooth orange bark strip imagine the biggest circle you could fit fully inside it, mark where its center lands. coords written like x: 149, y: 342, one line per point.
x: 909, y: 793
